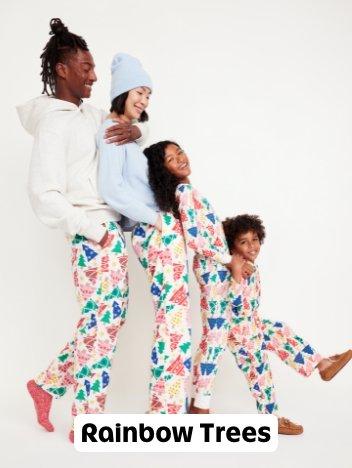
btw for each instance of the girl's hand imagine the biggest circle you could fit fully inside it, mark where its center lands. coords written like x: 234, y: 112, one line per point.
x: 237, y: 266
x: 121, y: 133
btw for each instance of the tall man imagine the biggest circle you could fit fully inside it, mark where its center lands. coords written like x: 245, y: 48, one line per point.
x: 63, y: 194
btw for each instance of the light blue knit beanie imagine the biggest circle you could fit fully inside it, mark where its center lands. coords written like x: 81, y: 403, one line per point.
x: 127, y: 73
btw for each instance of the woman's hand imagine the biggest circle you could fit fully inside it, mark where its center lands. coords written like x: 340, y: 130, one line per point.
x: 122, y: 132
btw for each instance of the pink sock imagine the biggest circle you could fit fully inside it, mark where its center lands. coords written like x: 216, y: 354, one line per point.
x: 71, y: 436
x: 42, y: 403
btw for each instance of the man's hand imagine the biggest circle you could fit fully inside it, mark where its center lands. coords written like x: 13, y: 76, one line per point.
x: 122, y: 132
x: 106, y: 240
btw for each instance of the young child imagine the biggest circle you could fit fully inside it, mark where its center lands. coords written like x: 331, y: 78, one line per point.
x: 250, y: 336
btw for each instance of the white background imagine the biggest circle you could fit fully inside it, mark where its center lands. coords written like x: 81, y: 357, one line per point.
x: 258, y: 93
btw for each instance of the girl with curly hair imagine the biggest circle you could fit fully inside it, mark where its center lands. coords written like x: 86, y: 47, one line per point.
x: 190, y: 214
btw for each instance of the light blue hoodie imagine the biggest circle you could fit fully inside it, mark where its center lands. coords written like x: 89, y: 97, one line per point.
x: 123, y: 180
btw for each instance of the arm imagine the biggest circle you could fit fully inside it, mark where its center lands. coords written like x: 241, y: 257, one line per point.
x: 114, y: 190
x: 202, y: 228
x: 122, y: 132
x: 47, y: 187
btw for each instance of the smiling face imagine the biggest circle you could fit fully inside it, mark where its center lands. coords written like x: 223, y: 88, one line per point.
x: 247, y: 245
x: 77, y: 74
x: 137, y: 101
x: 176, y: 162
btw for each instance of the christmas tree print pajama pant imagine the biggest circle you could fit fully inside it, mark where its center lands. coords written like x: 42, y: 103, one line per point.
x: 163, y: 256
x: 250, y: 338
x: 101, y: 281
x: 204, y: 235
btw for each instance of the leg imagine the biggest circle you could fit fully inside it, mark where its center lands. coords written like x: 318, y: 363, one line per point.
x: 291, y: 348
x: 163, y: 256
x: 252, y: 359
x: 247, y: 345
x: 53, y: 382
x: 56, y: 379
x: 213, y: 279
x: 102, y: 288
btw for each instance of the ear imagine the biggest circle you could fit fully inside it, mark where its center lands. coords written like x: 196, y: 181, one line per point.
x: 61, y: 70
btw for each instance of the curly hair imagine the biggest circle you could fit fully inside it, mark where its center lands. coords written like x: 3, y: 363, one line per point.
x: 118, y: 106
x: 58, y: 48
x: 241, y: 224
x: 162, y: 182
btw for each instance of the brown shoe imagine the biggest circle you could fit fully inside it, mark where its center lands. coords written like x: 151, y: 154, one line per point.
x: 195, y: 410
x: 287, y: 427
x: 337, y: 363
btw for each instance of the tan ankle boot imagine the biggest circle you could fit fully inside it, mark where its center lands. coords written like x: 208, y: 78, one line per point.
x: 287, y: 427
x: 337, y: 363
x: 195, y: 410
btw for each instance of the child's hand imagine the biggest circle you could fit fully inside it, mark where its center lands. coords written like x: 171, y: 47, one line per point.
x: 237, y: 266
x: 247, y: 269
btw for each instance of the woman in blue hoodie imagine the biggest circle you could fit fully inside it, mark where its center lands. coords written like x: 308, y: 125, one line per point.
x: 123, y: 184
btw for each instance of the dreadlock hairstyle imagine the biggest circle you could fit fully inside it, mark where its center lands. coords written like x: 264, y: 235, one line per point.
x: 118, y: 106
x: 162, y: 182
x: 58, y: 48
x: 241, y: 224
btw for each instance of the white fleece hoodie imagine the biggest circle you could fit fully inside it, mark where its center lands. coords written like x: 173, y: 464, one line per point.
x: 62, y: 181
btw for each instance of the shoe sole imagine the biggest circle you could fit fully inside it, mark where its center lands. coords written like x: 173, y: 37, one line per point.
x: 290, y: 433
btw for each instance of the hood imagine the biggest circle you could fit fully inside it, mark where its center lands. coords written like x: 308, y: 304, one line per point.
x: 34, y: 110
